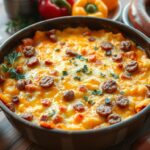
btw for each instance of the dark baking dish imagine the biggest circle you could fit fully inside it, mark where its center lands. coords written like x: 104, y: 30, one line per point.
x: 95, y: 139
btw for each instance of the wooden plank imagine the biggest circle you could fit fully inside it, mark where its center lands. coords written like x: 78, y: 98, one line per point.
x: 8, y: 135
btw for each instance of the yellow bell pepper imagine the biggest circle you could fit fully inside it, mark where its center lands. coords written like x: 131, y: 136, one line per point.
x: 95, y: 8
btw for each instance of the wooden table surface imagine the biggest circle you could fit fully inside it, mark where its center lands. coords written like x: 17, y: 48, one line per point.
x: 10, y: 139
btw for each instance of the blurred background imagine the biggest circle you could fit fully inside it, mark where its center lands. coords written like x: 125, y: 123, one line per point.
x: 17, y: 14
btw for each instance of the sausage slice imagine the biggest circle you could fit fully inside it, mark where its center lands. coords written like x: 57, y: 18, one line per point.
x: 33, y: 61
x: 79, y: 107
x: 107, y: 46
x: 71, y: 53
x: 104, y: 110
x: 114, y: 118
x: 68, y: 95
x: 122, y: 101
x: 131, y: 66
x: 47, y: 82
x: 109, y: 86
x: 125, y: 46
x: 29, y: 51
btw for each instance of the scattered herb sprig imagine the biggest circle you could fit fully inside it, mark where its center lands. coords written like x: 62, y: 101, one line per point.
x: 102, y: 75
x: 91, y: 102
x: 97, y: 92
x: 114, y: 75
x: 96, y: 48
x: 77, y: 78
x: 64, y: 73
x: 80, y: 57
x: 13, y: 73
x: 84, y: 70
x: 12, y: 57
x: 51, y: 113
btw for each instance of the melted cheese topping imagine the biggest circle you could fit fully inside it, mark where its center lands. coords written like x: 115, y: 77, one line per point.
x: 89, y: 69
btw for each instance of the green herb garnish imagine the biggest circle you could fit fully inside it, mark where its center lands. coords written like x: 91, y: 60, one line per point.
x: 13, y: 73
x: 114, y: 75
x: 75, y: 63
x: 102, y: 74
x: 77, y: 78
x: 97, y: 92
x: 57, y: 49
x: 64, y: 73
x: 96, y: 48
x: 51, y: 113
x: 89, y: 72
x: 91, y: 102
x: 4, y: 68
x: 79, y: 70
x: 12, y: 57
x: 85, y: 69
x: 86, y: 98
x: 81, y: 57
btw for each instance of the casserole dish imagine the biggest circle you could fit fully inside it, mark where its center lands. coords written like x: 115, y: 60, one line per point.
x: 89, y: 139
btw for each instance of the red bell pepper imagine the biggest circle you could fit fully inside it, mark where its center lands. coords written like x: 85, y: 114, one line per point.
x: 54, y: 8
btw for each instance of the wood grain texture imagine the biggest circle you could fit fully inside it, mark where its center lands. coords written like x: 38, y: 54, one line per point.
x: 11, y: 139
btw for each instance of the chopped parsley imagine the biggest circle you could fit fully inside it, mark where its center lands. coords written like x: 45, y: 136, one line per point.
x: 85, y: 69
x: 114, y: 75
x: 12, y: 57
x: 77, y: 78
x: 96, y: 48
x: 75, y: 63
x: 89, y: 72
x: 80, y: 57
x: 51, y: 113
x: 64, y: 73
x: 57, y: 49
x: 102, y: 74
x: 91, y: 102
x: 79, y: 70
x: 86, y: 98
x: 97, y: 92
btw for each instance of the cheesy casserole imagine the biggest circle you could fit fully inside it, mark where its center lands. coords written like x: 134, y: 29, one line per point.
x: 75, y: 79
